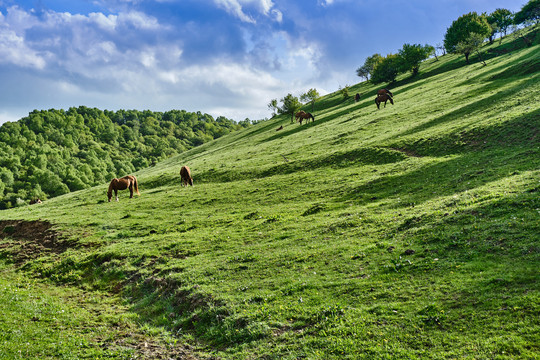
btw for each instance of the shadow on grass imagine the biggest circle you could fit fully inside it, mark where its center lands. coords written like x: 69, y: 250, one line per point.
x: 446, y: 178
x: 472, y: 107
x: 356, y: 157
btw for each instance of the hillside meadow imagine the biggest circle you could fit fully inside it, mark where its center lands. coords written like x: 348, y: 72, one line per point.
x: 409, y: 232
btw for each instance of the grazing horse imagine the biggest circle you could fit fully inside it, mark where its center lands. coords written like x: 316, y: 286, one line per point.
x: 384, y: 97
x: 384, y: 91
x: 185, y: 174
x: 357, y: 97
x: 127, y: 182
x: 301, y: 115
x: 35, y: 201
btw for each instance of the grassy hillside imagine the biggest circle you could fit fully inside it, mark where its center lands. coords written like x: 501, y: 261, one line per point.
x: 409, y: 232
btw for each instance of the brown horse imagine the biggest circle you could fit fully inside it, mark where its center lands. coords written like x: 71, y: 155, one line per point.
x: 185, y: 174
x: 384, y: 97
x: 357, y: 97
x: 127, y: 182
x: 35, y: 201
x: 301, y: 115
x: 384, y: 91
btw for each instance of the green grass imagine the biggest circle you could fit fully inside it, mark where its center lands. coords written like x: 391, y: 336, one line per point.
x: 57, y: 322
x: 409, y: 232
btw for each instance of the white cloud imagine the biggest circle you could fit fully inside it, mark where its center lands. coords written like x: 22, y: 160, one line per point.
x: 13, y: 50
x: 236, y: 8
x: 233, y: 7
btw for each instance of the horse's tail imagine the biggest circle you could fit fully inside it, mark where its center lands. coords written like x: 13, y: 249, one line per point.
x: 136, y: 185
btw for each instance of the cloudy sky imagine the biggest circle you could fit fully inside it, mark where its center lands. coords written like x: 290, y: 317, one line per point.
x: 221, y: 57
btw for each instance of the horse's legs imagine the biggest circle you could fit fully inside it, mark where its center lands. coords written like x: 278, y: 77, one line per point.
x: 116, y: 194
x: 131, y: 190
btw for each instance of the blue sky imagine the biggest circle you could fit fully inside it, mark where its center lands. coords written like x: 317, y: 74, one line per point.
x: 222, y: 57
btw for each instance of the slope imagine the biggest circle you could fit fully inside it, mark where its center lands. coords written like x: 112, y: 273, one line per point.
x: 406, y: 232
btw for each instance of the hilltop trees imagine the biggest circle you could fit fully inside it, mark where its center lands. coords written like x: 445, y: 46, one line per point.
x: 529, y: 12
x: 385, y: 69
x: 310, y: 96
x: 291, y: 105
x: 412, y: 55
x: 273, y: 105
x: 500, y: 20
x: 461, y: 30
x: 366, y: 70
x: 470, y: 45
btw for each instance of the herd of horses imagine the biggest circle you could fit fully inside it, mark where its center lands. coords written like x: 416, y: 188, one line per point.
x: 130, y: 181
x: 383, y: 95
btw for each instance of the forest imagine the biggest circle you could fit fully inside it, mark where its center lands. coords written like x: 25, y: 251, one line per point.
x: 53, y: 152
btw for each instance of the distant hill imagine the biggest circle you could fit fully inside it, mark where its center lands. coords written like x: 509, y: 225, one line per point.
x: 52, y: 152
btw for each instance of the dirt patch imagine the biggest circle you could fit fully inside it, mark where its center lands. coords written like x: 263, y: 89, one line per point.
x: 148, y: 349
x: 23, y: 240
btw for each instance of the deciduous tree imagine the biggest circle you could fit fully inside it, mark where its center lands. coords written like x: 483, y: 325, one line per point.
x: 310, y: 96
x: 500, y: 20
x: 291, y: 105
x: 387, y: 69
x: 461, y: 30
x: 273, y: 105
x: 413, y: 55
x: 366, y: 70
x: 529, y: 12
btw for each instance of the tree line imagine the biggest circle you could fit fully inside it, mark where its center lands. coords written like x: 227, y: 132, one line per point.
x: 53, y: 152
x: 464, y: 36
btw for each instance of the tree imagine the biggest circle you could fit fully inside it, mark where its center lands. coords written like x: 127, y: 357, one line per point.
x: 529, y: 12
x: 461, y: 30
x: 311, y: 96
x: 500, y: 20
x: 366, y: 70
x: 387, y: 69
x: 344, y: 91
x: 273, y: 105
x: 290, y: 106
x: 413, y: 55
x: 470, y: 45
x: 440, y: 47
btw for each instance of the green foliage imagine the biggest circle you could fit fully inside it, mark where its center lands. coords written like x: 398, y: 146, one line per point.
x: 344, y: 91
x: 462, y: 28
x: 310, y: 96
x: 530, y: 12
x: 366, y: 70
x: 500, y: 20
x: 50, y: 153
x: 290, y: 106
x: 470, y: 45
x: 413, y: 55
x: 387, y: 69
x: 273, y: 105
